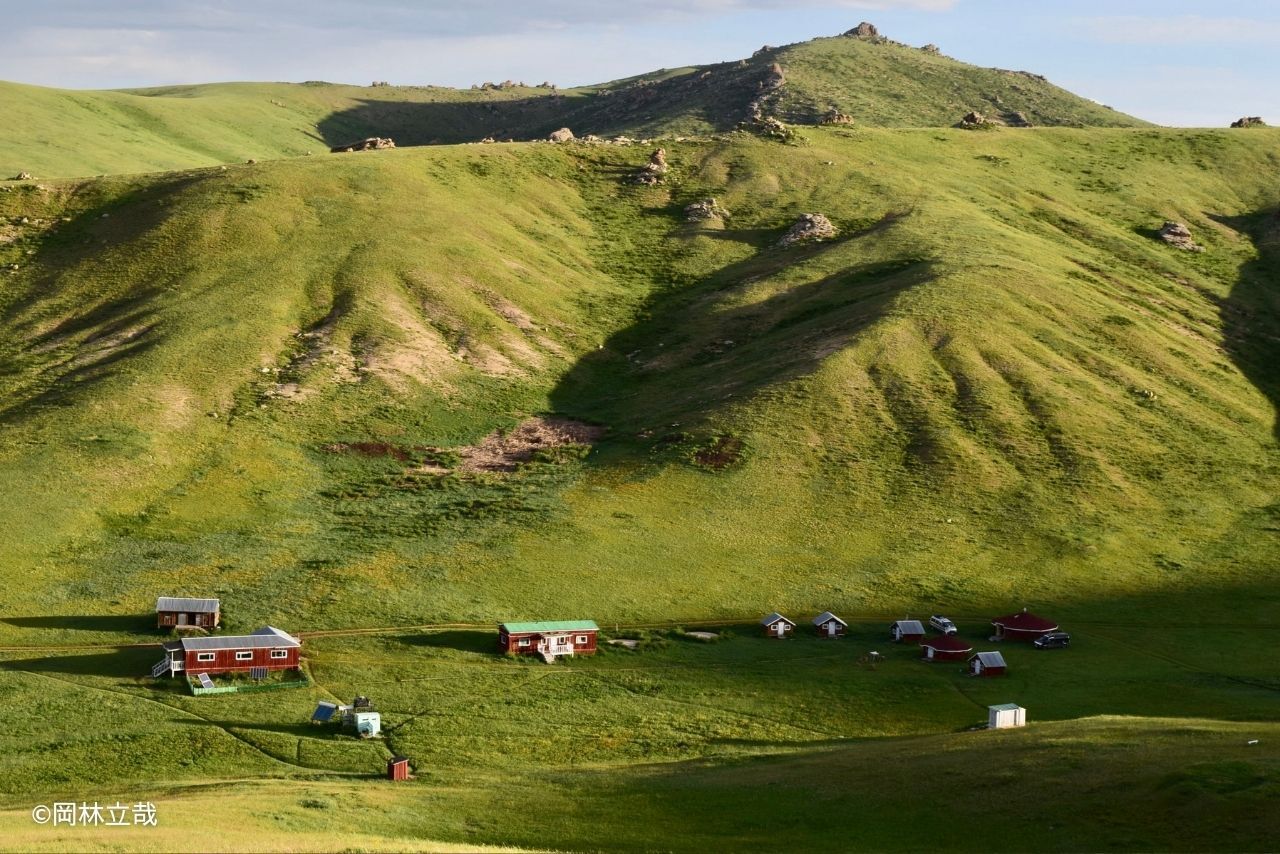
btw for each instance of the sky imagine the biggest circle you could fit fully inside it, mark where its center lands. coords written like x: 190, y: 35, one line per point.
x: 1175, y: 62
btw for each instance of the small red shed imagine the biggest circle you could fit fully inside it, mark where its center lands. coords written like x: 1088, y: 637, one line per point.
x: 945, y: 648
x: 777, y: 626
x: 267, y: 648
x: 549, y: 638
x: 1022, y: 626
x: 398, y: 768
x: 829, y: 625
x: 906, y: 631
x: 987, y: 664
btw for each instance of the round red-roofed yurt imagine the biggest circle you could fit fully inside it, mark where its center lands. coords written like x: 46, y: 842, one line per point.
x: 1022, y: 626
x: 945, y: 648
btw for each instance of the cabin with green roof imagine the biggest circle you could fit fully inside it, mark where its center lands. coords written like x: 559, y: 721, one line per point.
x: 549, y: 639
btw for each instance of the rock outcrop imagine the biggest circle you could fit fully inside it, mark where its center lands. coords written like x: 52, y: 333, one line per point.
x: 864, y: 30
x: 704, y: 210
x: 809, y: 228
x: 23, y: 176
x: 562, y: 135
x: 1177, y: 234
x: 373, y: 143
x: 1249, y: 122
x: 974, y: 119
x: 652, y: 171
x: 932, y: 49
x: 835, y: 117
x: 1017, y: 119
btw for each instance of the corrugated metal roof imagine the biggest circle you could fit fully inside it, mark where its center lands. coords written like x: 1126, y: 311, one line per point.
x: 990, y: 659
x: 550, y: 626
x: 909, y: 627
x: 1005, y: 707
x: 179, y: 603
x: 827, y: 616
x: 773, y: 618
x: 267, y: 637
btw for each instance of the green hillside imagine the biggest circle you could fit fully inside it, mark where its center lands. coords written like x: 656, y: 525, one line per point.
x: 389, y: 399
x: 58, y: 133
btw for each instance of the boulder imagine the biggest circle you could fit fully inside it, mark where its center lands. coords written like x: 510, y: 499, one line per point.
x: 835, y: 117
x: 1177, y: 234
x: 372, y: 143
x: 562, y: 135
x: 808, y: 228
x: 23, y: 176
x: 1249, y: 122
x: 863, y: 31
x: 704, y: 210
x: 932, y: 49
x: 973, y: 118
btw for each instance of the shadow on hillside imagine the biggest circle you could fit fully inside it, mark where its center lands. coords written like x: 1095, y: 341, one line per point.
x: 98, y: 328
x: 123, y: 623
x: 127, y: 662
x: 464, y: 641
x: 445, y: 122
x: 696, y: 349
x: 1251, y: 313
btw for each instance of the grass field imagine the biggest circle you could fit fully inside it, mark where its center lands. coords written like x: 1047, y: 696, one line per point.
x: 995, y: 389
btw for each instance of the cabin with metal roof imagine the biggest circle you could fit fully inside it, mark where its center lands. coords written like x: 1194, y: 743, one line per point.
x: 987, y: 664
x: 268, y: 648
x: 1022, y: 626
x: 906, y: 631
x: 179, y: 612
x: 777, y: 626
x: 549, y: 639
x: 828, y: 625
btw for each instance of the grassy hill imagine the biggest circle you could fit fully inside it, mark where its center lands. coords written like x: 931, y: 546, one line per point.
x: 297, y: 385
x: 59, y: 133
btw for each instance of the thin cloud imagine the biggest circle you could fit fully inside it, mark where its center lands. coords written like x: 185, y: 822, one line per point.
x: 1180, y: 29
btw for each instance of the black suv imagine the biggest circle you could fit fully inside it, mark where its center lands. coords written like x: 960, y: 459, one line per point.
x: 1053, y: 640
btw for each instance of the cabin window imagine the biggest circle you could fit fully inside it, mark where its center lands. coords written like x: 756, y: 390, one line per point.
x: 582, y: 639
x: 247, y: 655
x: 523, y: 642
x: 205, y: 656
x: 279, y: 653
x: 562, y: 641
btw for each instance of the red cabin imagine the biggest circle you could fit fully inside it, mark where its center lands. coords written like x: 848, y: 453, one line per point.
x: 987, y: 664
x: 268, y: 648
x: 550, y: 639
x: 906, y: 631
x: 828, y: 625
x: 945, y: 648
x: 180, y: 612
x: 1023, y: 626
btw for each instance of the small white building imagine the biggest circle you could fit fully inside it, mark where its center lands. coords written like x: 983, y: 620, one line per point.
x: 1006, y: 715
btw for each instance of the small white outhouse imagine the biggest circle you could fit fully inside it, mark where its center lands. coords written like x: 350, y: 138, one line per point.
x: 1006, y: 715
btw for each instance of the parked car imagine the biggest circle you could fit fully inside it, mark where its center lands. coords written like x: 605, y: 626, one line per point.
x: 942, y: 624
x: 1053, y: 640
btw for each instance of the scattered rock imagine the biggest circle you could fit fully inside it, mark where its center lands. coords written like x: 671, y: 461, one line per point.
x: 1178, y: 235
x: 1017, y: 119
x: 504, y: 452
x: 1249, y: 122
x: 704, y: 210
x: 809, y: 227
x: 835, y: 117
x: 932, y: 49
x: 562, y: 135
x: 973, y: 119
x: 863, y: 31
x: 488, y: 140
x: 23, y: 176
x: 373, y: 143
x: 627, y: 643
x: 771, y: 127
x: 703, y: 636
x: 251, y: 161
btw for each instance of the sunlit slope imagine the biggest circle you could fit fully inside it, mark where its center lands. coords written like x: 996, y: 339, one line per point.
x: 996, y: 386
x: 53, y: 133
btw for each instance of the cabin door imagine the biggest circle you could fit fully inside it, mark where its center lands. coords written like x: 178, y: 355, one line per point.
x: 182, y: 619
x: 831, y: 629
